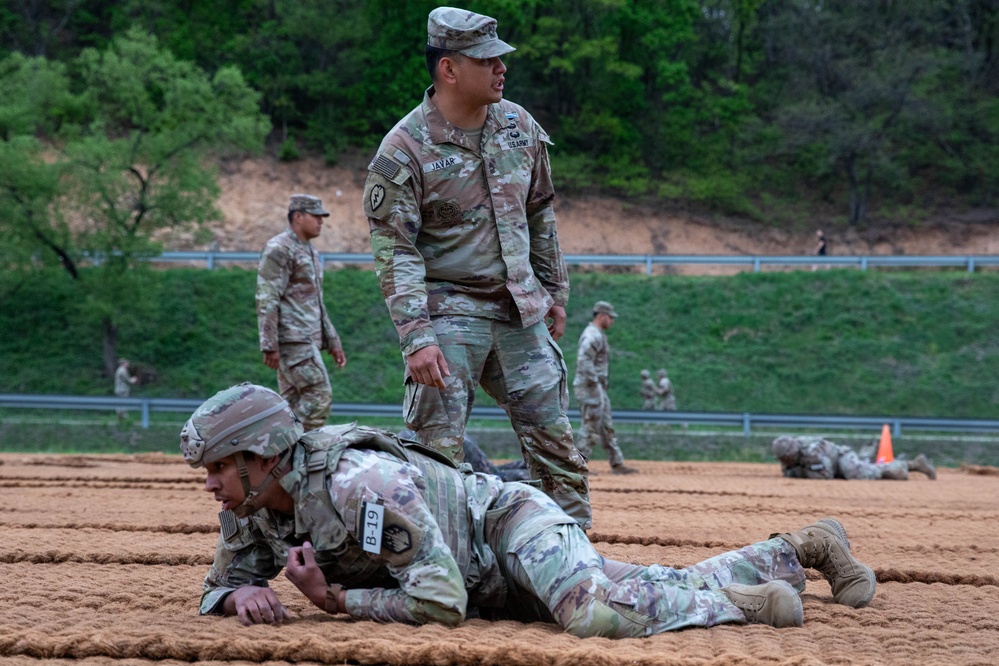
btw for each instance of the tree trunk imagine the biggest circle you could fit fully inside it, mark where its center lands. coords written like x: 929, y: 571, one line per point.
x: 110, y: 346
x: 856, y: 197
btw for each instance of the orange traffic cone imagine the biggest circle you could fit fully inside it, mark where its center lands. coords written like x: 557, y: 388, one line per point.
x: 884, y: 447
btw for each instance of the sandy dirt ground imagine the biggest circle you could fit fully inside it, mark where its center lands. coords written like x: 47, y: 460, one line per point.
x: 102, y: 557
x: 255, y: 195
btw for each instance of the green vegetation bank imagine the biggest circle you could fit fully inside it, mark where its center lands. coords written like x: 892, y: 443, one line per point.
x: 918, y: 343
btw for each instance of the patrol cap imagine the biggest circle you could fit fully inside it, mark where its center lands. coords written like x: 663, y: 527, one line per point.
x: 603, y: 307
x: 468, y: 33
x: 307, y: 204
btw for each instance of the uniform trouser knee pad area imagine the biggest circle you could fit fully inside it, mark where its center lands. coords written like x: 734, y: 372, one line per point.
x: 304, y: 382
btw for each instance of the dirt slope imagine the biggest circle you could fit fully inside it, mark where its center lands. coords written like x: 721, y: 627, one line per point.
x: 255, y: 194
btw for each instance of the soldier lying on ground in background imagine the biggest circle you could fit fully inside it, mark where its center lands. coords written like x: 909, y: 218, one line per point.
x: 383, y: 529
x: 817, y: 458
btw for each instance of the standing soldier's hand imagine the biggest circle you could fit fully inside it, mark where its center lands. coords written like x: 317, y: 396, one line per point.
x: 427, y: 366
x: 272, y: 359
x: 338, y: 357
x: 556, y: 327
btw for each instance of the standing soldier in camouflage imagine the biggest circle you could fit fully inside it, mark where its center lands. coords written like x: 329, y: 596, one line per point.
x: 818, y: 458
x: 459, y: 204
x: 665, y: 397
x: 381, y: 529
x: 648, y: 391
x: 590, y: 389
x: 123, y: 384
x: 292, y: 317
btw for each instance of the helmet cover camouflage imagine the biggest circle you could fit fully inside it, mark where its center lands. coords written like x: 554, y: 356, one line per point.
x: 645, y: 373
x: 241, y: 418
x: 785, y: 447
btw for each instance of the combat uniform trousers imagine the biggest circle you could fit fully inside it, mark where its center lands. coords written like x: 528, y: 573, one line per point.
x: 596, y: 423
x: 304, y: 382
x: 558, y: 569
x: 851, y: 466
x: 523, y: 371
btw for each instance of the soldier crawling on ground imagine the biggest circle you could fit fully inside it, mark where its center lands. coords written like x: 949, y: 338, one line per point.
x: 818, y: 458
x: 383, y: 529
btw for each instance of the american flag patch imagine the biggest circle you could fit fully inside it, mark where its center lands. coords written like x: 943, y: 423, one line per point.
x: 384, y: 166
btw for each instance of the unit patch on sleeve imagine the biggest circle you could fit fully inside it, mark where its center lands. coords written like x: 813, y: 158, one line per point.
x: 376, y: 195
x: 397, y: 539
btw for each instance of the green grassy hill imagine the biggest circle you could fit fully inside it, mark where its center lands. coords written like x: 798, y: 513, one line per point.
x: 838, y: 341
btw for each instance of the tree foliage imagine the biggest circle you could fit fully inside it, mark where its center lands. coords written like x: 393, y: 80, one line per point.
x: 868, y: 105
x: 97, y: 163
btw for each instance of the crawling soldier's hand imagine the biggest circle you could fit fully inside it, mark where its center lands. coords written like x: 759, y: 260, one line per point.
x: 306, y: 575
x: 256, y: 605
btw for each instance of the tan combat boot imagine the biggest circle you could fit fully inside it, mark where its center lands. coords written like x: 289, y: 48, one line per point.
x: 823, y: 545
x: 775, y: 603
x: 623, y: 469
x: 922, y: 464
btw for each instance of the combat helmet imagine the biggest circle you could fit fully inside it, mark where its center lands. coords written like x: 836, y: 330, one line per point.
x: 242, y: 418
x: 785, y: 448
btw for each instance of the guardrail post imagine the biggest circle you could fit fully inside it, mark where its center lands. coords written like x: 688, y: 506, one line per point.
x: 863, y: 263
x: 648, y: 264
x: 971, y: 264
x: 745, y: 424
x: 145, y: 413
x: 897, y: 428
x: 756, y: 264
x: 211, y: 260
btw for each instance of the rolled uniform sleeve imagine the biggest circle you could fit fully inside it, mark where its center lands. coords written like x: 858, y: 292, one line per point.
x: 393, y: 211
x: 431, y: 586
x: 546, y: 254
x: 272, y: 281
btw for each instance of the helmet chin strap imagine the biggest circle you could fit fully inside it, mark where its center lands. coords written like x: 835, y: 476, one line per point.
x: 251, y: 495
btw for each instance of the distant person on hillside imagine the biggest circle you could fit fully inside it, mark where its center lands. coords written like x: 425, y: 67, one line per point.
x: 648, y: 391
x: 590, y: 389
x: 123, y: 382
x: 460, y: 206
x: 291, y: 315
x: 818, y: 458
x: 665, y: 396
x: 369, y: 526
x: 820, y: 246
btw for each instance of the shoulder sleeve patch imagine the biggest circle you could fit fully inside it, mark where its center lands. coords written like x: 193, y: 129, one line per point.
x: 391, y: 167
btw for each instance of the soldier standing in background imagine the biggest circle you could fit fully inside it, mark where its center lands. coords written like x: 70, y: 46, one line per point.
x: 381, y: 529
x: 459, y: 201
x: 590, y: 389
x: 123, y: 384
x: 665, y: 397
x: 818, y: 458
x: 291, y: 315
x: 648, y: 391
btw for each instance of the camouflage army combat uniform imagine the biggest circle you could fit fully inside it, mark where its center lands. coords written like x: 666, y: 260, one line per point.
x: 292, y: 319
x: 451, y: 541
x: 818, y: 458
x: 665, y: 397
x: 590, y: 390
x: 648, y: 391
x: 465, y: 245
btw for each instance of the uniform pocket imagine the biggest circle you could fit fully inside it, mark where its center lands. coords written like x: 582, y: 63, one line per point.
x: 424, y: 406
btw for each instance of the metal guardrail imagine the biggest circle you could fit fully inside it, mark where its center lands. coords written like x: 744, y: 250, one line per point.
x: 745, y: 421
x: 862, y: 262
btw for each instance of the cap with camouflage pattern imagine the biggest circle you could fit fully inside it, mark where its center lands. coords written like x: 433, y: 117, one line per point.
x: 603, y: 307
x: 468, y: 33
x: 308, y: 204
x: 245, y: 417
x: 645, y: 373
